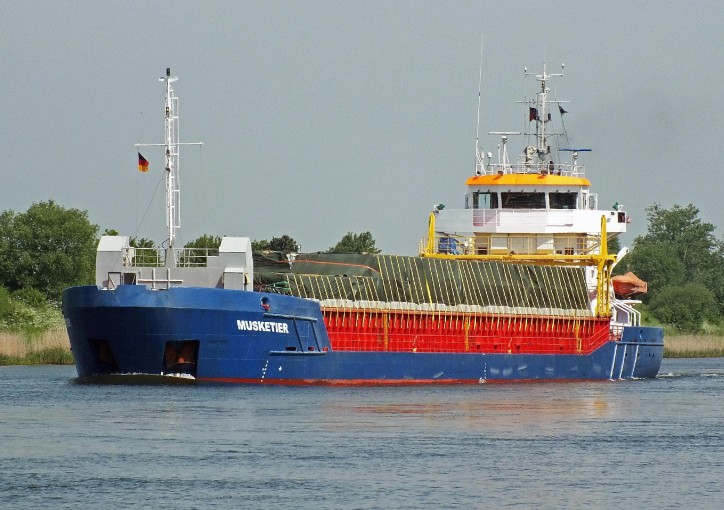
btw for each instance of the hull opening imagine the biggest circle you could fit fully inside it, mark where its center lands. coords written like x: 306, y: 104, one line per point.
x: 103, y: 356
x: 180, y: 357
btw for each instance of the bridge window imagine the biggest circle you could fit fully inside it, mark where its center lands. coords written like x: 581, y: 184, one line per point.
x: 566, y: 200
x: 523, y: 200
x: 485, y: 200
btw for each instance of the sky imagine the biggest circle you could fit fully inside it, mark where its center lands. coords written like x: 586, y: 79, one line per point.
x: 325, y: 117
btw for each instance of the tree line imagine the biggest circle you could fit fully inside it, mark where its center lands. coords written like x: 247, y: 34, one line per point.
x: 682, y: 261
x: 49, y: 248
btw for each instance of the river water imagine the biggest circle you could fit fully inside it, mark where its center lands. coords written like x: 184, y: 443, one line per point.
x: 637, y: 444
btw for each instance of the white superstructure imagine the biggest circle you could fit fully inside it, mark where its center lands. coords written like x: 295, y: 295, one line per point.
x: 538, y: 209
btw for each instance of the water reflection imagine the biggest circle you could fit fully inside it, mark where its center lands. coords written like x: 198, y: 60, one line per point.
x: 523, y: 411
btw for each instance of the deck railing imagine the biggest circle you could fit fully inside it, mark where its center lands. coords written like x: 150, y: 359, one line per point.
x: 156, y: 257
x: 513, y: 244
x: 521, y: 167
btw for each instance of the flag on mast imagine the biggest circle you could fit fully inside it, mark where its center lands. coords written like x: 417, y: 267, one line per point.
x: 142, y: 163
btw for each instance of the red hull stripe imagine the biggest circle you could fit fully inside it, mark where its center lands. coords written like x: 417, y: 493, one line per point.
x: 377, y: 382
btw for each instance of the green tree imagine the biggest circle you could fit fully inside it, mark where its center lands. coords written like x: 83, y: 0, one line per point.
x: 283, y: 244
x: 716, y: 284
x: 209, y: 242
x: 260, y: 245
x: 355, y: 243
x: 31, y: 297
x: 142, y: 242
x: 47, y: 248
x: 655, y: 263
x: 196, y: 252
x: 6, y: 304
x: 27, y: 310
x: 12, y: 313
x: 693, y: 240
x: 678, y: 248
x: 685, y: 307
x: 614, y: 245
x: 146, y: 254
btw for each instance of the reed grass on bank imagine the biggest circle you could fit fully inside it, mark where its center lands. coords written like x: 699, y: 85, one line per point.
x: 53, y: 348
x: 693, y: 346
x: 50, y: 347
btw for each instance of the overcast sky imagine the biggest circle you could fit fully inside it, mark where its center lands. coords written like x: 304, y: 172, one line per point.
x: 321, y: 118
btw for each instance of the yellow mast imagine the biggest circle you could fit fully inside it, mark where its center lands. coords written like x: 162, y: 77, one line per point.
x: 605, y: 262
x: 430, y: 248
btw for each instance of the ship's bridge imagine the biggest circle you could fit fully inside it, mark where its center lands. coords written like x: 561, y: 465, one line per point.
x: 536, y: 209
x: 525, y: 209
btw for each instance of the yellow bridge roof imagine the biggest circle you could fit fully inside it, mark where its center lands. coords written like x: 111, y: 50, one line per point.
x: 527, y: 180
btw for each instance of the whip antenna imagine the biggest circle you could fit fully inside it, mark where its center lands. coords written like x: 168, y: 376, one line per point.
x: 478, y: 162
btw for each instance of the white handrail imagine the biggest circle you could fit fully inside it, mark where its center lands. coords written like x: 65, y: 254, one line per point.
x: 633, y: 316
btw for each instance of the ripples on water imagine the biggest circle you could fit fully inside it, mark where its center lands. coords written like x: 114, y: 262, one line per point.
x: 641, y: 444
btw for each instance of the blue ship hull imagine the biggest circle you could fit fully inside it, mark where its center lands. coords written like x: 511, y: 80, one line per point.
x: 249, y: 337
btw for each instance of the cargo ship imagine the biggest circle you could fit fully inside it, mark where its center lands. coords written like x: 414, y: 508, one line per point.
x: 514, y: 286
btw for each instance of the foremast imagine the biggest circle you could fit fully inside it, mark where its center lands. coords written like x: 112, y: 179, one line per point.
x: 171, y: 151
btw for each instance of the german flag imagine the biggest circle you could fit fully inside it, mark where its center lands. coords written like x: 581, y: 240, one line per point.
x: 142, y: 163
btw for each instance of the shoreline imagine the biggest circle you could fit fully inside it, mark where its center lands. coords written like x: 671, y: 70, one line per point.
x: 693, y: 346
x: 52, y: 347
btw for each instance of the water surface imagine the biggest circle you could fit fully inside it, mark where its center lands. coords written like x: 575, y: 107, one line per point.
x: 635, y: 444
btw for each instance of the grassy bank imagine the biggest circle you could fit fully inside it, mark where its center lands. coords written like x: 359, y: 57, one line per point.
x: 47, y: 348
x: 693, y: 346
x: 52, y: 347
